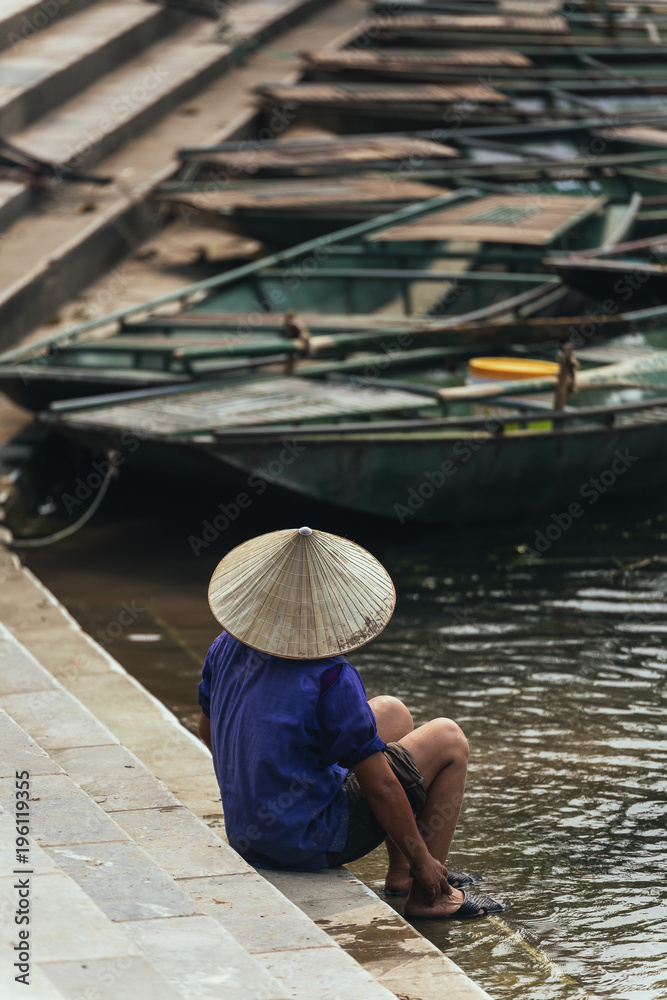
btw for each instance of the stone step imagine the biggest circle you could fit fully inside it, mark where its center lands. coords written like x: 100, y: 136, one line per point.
x: 390, y: 948
x: 77, y: 948
x: 15, y: 200
x: 23, y: 19
x: 78, y: 232
x: 114, y: 828
x: 127, y: 101
x: 61, y: 61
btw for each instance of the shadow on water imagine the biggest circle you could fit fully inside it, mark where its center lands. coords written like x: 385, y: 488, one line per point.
x: 555, y: 666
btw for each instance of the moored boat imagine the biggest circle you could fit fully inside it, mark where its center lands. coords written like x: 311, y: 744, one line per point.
x: 385, y: 449
x: 349, y: 291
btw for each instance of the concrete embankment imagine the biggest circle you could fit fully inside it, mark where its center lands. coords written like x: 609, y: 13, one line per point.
x: 134, y: 890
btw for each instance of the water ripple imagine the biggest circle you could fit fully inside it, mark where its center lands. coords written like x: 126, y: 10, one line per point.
x: 561, y: 691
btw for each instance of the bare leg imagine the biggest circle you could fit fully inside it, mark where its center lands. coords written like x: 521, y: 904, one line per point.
x: 440, y: 750
x: 393, y: 723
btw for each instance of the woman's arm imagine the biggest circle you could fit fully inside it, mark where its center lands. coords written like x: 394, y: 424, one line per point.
x: 386, y: 797
x: 204, y: 730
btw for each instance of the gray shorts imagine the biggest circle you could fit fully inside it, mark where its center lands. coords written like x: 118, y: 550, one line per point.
x: 364, y: 832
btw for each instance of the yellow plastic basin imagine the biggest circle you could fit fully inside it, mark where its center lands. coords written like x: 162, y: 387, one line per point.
x: 509, y: 369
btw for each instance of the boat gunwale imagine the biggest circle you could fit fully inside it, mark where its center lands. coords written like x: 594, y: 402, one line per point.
x: 605, y: 415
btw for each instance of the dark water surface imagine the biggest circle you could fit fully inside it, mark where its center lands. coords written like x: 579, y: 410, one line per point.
x: 556, y: 669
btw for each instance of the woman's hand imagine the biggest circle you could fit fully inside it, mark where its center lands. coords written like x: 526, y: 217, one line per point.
x: 432, y: 877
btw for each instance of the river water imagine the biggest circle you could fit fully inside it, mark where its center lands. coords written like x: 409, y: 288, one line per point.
x: 555, y: 667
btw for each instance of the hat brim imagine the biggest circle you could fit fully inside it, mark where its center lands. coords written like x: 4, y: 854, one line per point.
x: 302, y: 598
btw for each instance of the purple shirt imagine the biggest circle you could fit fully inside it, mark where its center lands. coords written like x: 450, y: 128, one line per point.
x: 284, y: 734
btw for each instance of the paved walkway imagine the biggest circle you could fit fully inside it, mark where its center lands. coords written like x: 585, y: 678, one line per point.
x: 134, y: 892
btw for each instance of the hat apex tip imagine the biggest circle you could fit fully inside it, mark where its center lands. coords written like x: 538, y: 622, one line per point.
x: 305, y: 531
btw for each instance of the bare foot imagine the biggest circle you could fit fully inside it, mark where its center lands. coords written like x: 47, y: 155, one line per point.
x: 418, y: 904
x: 398, y: 880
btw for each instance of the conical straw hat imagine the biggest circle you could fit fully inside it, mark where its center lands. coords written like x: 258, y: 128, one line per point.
x: 301, y: 594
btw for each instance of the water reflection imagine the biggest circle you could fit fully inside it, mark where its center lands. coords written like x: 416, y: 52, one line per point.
x: 555, y: 669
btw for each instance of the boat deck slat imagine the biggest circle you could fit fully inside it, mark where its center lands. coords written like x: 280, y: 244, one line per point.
x: 349, y: 95
x: 540, y: 25
x: 417, y: 58
x: 525, y: 219
x: 339, y: 150
x: 268, y: 401
x: 305, y: 194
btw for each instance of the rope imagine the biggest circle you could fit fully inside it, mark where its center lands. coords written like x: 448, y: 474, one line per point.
x: 34, y: 543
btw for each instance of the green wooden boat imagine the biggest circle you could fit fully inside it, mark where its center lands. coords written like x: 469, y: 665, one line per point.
x: 286, y: 212
x: 401, y: 279
x: 353, y: 107
x: 385, y: 449
x: 316, y: 156
x: 432, y: 153
x: 510, y: 69
x: 629, y: 22
x: 282, y: 211
x: 569, y: 211
x: 426, y: 24
x: 351, y: 292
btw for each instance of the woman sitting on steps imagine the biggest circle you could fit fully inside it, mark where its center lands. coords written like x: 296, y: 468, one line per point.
x: 313, y: 775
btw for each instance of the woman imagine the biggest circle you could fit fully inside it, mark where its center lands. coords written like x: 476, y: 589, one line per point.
x: 311, y: 774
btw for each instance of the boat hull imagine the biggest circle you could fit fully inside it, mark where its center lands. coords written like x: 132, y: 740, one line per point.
x: 458, y: 479
x: 640, y: 286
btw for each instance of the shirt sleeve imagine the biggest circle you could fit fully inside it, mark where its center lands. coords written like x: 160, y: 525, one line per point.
x: 205, y: 686
x: 347, y: 725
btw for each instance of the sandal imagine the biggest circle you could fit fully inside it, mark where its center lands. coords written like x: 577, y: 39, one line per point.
x: 468, y: 910
x: 458, y: 880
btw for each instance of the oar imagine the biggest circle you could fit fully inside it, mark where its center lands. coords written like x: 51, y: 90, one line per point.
x: 607, y: 377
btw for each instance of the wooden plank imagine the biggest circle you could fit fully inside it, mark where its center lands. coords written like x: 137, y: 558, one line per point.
x: 252, y: 344
x: 642, y: 133
x: 152, y: 344
x: 549, y: 25
x: 78, y: 373
x: 397, y: 59
x: 360, y: 95
x: 331, y: 323
x: 309, y: 195
x: 337, y: 151
x: 528, y: 219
